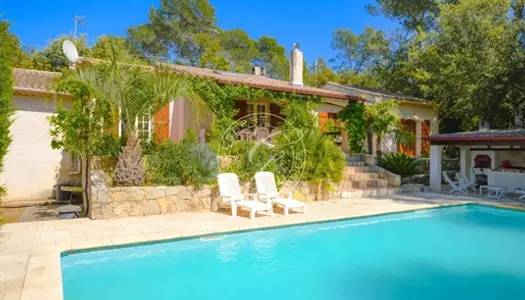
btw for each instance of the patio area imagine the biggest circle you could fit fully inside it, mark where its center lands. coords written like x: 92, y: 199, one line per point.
x: 30, y: 252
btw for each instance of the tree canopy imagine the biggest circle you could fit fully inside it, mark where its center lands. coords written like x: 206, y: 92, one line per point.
x: 468, y: 56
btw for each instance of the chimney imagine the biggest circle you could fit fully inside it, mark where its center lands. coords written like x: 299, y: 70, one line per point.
x: 296, y: 66
x: 263, y: 71
x: 257, y: 71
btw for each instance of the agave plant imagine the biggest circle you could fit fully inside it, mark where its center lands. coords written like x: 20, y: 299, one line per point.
x: 401, y: 164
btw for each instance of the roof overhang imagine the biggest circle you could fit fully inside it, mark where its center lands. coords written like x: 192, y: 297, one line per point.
x: 476, y: 140
x: 417, y: 104
x: 291, y: 89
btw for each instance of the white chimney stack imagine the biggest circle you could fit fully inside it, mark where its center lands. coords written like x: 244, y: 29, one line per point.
x: 296, y: 66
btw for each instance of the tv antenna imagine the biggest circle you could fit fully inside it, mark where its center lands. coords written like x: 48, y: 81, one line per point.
x: 78, y: 21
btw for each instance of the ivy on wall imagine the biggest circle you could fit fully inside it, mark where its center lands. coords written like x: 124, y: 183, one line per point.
x: 355, y: 121
x: 220, y: 98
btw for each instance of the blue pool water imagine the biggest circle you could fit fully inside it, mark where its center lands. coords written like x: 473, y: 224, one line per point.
x: 463, y: 252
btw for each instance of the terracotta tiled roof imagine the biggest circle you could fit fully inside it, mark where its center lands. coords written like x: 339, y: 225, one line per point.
x: 40, y: 81
x: 258, y: 81
x: 369, y: 93
x: 33, y: 81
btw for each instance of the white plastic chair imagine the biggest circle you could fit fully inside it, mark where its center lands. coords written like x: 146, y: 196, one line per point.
x: 267, y: 191
x: 230, y: 191
x: 465, y: 182
x: 456, y: 185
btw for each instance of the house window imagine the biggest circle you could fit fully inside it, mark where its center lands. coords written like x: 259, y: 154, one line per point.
x: 143, y: 126
x: 261, y: 117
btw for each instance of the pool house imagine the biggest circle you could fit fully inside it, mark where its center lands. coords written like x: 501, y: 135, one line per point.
x: 497, y: 156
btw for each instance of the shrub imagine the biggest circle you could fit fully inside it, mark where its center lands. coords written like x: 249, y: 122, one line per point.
x: 183, y: 163
x: 6, y: 92
x: 311, y: 156
x: 401, y: 164
x: 251, y: 157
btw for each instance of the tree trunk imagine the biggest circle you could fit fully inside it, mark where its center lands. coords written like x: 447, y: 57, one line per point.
x: 130, y: 168
x: 86, y: 187
x: 379, y: 142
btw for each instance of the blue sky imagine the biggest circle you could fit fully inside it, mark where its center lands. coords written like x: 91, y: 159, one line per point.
x: 309, y: 22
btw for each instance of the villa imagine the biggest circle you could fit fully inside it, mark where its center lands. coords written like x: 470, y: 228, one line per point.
x: 31, y: 156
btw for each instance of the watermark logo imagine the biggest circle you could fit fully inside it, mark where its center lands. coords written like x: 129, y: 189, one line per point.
x: 263, y: 142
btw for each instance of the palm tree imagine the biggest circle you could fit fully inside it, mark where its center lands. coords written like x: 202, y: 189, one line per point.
x: 134, y: 90
x: 384, y: 118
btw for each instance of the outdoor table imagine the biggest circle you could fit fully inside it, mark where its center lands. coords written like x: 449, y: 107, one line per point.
x: 496, y: 192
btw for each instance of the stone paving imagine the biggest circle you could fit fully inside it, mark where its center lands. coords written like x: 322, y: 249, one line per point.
x: 30, y: 252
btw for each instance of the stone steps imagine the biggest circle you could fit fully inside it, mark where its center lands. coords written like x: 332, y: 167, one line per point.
x: 357, y: 169
x: 350, y: 158
x: 371, y: 192
x: 362, y: 176
x: 369, y: 183
x: 361, y: 180
x: 363, y: 184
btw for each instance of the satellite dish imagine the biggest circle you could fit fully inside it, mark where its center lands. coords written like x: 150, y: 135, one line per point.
x: 70, y: 51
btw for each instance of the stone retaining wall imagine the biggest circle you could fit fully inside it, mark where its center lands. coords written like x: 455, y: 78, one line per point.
x: 154, y: 200
x: 148, y: 200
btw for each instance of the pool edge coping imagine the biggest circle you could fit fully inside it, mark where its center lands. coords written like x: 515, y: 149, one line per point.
x: 270, y: 227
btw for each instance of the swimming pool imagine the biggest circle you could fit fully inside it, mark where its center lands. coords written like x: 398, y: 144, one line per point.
x: 461, y: 252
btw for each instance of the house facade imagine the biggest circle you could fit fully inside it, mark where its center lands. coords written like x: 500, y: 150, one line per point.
x: 32, y: 168
x: 419, y: 116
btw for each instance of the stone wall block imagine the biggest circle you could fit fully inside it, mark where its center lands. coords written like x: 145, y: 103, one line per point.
x: 119, y: 196
x: 154, y: 192
x: 165, y: 205
x: 172, y: 191
x: 151, y: 208
x: 137, y: 208
x: 122, y: 210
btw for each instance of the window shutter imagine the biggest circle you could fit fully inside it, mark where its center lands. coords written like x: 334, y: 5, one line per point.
x: 275, y: 110
x: 161, y: 122
x: 323, y: 117
x: 242, y: 109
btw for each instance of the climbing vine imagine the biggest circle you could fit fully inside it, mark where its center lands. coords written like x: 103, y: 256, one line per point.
x: 355, y: 121
x: 220, y: 98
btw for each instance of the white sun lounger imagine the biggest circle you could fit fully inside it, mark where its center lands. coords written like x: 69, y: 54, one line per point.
x: 520, y: 191
x: 267, y: 191
x: 465, y: 182
x: 230, y: 191
x: 457, y: 187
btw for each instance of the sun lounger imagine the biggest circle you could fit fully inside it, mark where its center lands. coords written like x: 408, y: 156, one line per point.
x: 457, y: 187
x: 267, y: 191
x: 230, y: 191
x: 465, y: 182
